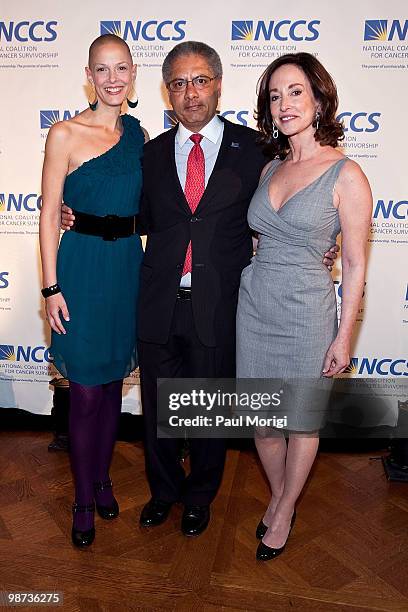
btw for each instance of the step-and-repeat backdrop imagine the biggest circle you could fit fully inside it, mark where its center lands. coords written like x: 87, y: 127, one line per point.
x: 43, y: 51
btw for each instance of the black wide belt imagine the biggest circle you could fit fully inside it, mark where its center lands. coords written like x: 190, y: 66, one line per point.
x: 109, y: 227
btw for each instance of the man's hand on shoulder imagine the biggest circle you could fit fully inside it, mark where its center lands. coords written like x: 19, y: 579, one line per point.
x: 145, y: 134
x: 330, y: 257
x: 67, y: 218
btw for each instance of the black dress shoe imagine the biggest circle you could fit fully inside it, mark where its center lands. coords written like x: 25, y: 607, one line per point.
x: 266, y: 553
x: 195, y: 520
x: 155, y: 513
x: 261, y: 530
x: 81, y: 539
x: 106, y: 512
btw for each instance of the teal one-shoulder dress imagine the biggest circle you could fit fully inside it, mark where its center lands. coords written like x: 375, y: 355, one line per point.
x: 100, y: 279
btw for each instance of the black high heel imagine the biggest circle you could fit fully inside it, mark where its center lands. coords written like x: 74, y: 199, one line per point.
x: 81, y: 539
x: 106, y: 512
x: 266, y: 553
x: 261, y: 530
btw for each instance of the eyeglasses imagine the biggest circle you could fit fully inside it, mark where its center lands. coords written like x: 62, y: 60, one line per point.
x: 200, y: 82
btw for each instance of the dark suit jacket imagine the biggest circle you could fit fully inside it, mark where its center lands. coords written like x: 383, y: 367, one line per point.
x: 218, y: 230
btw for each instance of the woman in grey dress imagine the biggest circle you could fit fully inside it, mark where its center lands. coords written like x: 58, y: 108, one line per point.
x: 286, y: 319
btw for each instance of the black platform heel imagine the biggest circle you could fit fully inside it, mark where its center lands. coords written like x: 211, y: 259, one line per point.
x: 106, y: 512
x: 81, y: 539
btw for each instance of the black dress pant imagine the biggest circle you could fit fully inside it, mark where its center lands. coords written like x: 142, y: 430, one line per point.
x: 183, y: 356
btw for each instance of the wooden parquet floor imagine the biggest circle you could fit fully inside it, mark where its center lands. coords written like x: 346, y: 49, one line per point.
x: 348, y: 550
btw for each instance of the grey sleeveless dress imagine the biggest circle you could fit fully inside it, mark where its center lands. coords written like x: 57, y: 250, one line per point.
x: 286, y: 317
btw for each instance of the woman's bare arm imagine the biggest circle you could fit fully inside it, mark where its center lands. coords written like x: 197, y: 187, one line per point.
x: 55, y: 169
x: 355, y: 210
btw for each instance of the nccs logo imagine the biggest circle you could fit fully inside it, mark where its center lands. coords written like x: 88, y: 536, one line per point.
x: 359, y: 122
x: 20, y: 202
x: 25, y: 31
x: 49, y: 117
x: 38, y: 354
x: 275, y: 30
x: 236, y: 116
x: 170, y: 120
x: 4, y: 281
x: 386, y: 209
x: 381, y: 366
x: 378, y: 30
x: 145, y: 30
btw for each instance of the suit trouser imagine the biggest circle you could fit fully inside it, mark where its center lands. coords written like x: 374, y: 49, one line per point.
x: 183, y: 356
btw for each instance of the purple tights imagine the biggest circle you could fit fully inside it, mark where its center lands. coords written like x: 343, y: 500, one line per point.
x: 93, y: 425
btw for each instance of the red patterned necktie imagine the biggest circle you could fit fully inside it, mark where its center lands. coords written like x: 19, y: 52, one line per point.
x: 195, y: 185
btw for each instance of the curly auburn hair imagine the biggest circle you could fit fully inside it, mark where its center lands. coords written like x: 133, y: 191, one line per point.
x: 330, y: 131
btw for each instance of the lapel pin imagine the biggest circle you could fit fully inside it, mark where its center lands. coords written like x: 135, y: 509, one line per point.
x: 235, y: 145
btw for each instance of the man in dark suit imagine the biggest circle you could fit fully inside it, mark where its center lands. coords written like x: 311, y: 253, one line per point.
x: 186, y: 317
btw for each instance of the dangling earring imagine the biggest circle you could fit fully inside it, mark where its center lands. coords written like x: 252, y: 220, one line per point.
x: 132, y: 104
x: 317, y: 120
x: 94, y: 104
x: 275, y: 131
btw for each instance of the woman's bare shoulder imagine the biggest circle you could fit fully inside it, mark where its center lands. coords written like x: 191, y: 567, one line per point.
x: 351, y: 172
x: 65, y: 133
x: 267, y: 167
